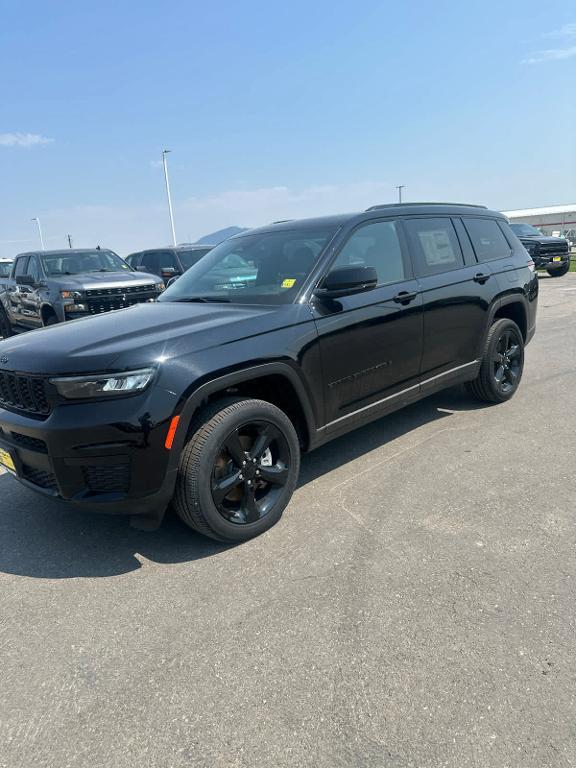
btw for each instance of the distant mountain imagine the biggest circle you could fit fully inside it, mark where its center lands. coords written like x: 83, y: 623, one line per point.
x: 223, y: 234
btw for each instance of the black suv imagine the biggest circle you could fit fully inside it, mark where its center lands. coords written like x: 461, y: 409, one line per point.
x: 49, y: 287
x: 168, y: 262
x: 206, y: 398
x: 549, y: 253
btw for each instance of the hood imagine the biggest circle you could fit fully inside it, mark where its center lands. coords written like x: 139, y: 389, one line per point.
x: 541, y: 239
x: 138, y: 336
x: 102, y: 280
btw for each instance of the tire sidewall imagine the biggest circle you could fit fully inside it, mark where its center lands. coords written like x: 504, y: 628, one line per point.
x: 203, y: 471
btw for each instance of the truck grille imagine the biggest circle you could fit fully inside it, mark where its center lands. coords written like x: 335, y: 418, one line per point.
x: 24, y: 393
x: 107, y: 299
x: 553, y: 249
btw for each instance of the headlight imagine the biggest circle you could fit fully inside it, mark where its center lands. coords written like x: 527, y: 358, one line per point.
x: 160, y: 287
x: 76, y: 307
x: 108, y: 385
x: 71, y: 294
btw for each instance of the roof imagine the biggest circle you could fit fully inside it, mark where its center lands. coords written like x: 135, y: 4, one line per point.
x: 552, y: 209
x: 64, y: 252
x: 392, y: 209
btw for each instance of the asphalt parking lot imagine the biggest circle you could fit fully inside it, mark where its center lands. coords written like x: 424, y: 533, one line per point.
x: 415, y: 607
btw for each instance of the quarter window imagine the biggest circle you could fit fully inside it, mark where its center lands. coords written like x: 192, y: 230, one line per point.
x: 487, y: 238
x: 435, y: 246
x: 375, y: 245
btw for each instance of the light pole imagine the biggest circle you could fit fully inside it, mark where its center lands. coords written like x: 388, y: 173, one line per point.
x: 400, y: 187
x: 37, y: 220
x: 165, y: 164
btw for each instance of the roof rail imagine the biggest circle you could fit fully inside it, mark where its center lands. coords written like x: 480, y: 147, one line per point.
x: 282, y: 221
x: 407, y: 205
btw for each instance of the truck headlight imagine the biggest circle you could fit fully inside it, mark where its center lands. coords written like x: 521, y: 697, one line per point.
x: 105, y: 385
x: 70, y: 294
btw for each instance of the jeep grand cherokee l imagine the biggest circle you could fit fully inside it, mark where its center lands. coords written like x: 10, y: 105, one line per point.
x: 549, y: 253
x: 206, y: 398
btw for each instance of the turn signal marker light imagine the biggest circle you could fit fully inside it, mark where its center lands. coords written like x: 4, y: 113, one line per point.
x: 171, y: 432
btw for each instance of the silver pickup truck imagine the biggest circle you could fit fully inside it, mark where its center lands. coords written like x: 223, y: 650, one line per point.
x: 49, y: 287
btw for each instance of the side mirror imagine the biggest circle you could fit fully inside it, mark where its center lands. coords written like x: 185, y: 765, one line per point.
x: 172, y: 281
x: 345, y: 281
x: 168, y: 272
x: 25, y: 280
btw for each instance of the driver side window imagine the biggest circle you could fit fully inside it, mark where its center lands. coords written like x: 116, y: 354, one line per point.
x: 33, y: 269
x: 374, y: 245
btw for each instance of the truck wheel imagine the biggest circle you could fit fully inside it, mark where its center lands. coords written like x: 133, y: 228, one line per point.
x: 238, y: 470
x: 559, y: 272
x: 502, y: 363
x: 5, y: 327
x: 50, y: 319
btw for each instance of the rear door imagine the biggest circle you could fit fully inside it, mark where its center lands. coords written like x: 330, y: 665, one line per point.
x: 371, y: 343
x: 493, y: 251
x: 456, y: 296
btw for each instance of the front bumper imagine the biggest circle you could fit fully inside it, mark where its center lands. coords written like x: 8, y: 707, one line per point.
x: 547, y: 262
x: 120, y: 466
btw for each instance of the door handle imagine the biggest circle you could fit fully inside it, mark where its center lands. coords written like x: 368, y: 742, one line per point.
x: 405, y: 297
x: 481, y: 277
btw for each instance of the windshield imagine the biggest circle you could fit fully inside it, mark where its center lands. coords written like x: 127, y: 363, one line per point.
x: 66, y: 263
x: 189, y: 258
x: 525, y: 230
x: 266, y: 268
x: 5, y: 268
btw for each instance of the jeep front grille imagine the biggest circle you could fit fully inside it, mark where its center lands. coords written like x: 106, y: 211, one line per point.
x: 24, y: 393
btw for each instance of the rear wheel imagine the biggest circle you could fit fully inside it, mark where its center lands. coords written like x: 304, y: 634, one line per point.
x: 559, y: 272
x: 502, y: 363
x: 238, y: 470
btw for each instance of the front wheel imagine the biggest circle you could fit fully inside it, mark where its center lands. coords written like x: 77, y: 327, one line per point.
x: 5, y: 327
x: 502, y: 363
x: 238, y: 470
x: 559, y: 272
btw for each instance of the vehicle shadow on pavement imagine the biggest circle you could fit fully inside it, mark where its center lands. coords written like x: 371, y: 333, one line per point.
x: 44, y: 539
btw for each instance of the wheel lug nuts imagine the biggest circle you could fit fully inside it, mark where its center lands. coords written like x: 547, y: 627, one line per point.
x: 257, y: 471
x: 240, y: 476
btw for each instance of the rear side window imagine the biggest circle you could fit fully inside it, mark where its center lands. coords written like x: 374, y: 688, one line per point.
x: 435, y: 246
x: 487, y: 239
x: 375, y: 245
x: 156, y: 261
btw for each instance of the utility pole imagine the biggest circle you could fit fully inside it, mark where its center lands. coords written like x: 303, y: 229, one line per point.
x: 400, y: 187
x: 37, y: 220
x: 69, y: 241
x: 165, y: 164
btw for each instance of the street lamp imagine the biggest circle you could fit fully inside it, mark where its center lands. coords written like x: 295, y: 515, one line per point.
x: 400, y: 187
x: 37, y: 220
x: 165, y: 164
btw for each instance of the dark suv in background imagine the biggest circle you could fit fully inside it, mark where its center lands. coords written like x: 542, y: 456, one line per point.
x: 205, y: 398
x: 549, y: 253
x: 48, y: 287
x: 168, y: 262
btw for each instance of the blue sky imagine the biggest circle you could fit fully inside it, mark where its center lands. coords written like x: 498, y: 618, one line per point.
x: 275, y: 110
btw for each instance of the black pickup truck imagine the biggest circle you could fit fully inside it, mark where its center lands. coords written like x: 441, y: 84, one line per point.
x: 49, y: 287
x: 549, y: 253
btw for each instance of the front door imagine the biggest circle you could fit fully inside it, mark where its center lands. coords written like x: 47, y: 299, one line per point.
x: 30, y: 298
x: 371, y: 343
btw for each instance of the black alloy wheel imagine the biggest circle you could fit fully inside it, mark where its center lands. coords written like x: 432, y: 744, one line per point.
x: 507, y: 360
x: 238, y: 469
x: 250, y: 472
x: 501, y: 365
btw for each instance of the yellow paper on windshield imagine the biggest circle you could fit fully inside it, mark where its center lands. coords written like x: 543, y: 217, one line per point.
x: 290, y: 282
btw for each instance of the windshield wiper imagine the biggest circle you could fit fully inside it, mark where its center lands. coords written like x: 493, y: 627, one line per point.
x: 202, y: 299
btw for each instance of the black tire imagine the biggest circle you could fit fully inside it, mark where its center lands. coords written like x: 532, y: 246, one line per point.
x: 50, y: 319
x: 5, y: 327
x: 502, y: 363
x: 219, y: 455
x: 559, y: 272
